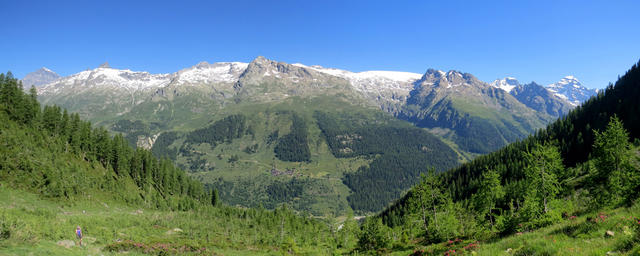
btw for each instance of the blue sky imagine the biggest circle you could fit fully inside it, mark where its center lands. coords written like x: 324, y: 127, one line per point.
x: 531, y: 40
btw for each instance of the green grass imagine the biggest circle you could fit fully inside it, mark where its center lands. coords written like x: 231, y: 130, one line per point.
x: 35, y: 226
x: 583, y: 235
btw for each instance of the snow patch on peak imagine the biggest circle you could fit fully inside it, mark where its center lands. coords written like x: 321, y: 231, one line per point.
x: 108, y: 78
x: 390, y: 85
x: 203, y: 72
x: 567, y: 80
x: 392, y: 75
x: 333, y: 71
x: 506, y: 84
x: 377, y: 75
x: 570, y: 88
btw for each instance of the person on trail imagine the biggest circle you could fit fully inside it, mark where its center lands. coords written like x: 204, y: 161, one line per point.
x: 79, y: 234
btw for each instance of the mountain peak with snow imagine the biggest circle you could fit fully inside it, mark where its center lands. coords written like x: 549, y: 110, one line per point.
x: 205, y: 73
x: 507, y: 84
x: 570, y: 88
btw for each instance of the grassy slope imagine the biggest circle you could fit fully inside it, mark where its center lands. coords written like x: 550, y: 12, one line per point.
x: 37, y: 224
x: 577, y: 236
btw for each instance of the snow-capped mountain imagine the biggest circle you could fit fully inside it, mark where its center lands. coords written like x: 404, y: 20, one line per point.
x: 568, y: 89
x: 454, y: 103
x: 393, y: 86
x: 109, y: 91
x: 507, y: 84
x: 205, y: 73
x: 571, y: 89
x: 105, y: 77
x: 478, y: 117
x: 534, y: 96
x: 39, y: 77
x: 541, y: 99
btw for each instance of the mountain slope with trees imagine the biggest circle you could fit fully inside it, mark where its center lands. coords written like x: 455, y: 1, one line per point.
x: 583, y: 164
x: 246, y: 127
x: 57, y: 172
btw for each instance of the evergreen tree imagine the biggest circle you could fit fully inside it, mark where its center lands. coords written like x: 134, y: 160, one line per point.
x: 214, y: 197
x: 489, y: 193
x: 429, y: 202
x: 613, y: 156
x: 374, y: 235
x: 543, y: 165
x: 346, y: 236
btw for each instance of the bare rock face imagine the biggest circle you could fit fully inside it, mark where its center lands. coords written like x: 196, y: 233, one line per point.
x: 39, y: 78
x: 463, y: 107
x: 540, y: 99
x: 146, y: 142
x: 269, y: 80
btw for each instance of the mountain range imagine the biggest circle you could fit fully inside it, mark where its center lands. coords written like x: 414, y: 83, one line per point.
x: 268, y: 132
x: 386, y: 88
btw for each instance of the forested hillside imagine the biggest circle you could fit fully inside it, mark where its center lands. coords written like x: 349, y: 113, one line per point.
x: 39, y: 145
x: 399, y: 155
x: 320, y: 155
x: 583, y: 163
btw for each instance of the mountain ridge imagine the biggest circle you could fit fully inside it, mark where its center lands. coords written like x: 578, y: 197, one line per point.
x: 384, y: 87
x: 39, y: 78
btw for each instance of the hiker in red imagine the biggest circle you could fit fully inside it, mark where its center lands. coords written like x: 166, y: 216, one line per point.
x: 79, y: 234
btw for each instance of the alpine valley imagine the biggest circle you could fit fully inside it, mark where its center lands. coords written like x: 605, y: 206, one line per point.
x: 323, y: 140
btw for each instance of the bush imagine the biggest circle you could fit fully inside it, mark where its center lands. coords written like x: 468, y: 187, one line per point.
x: 374, y: 235
x: 538, y: 248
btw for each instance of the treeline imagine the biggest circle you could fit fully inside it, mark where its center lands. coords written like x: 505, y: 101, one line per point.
x: 159, y: 183
x: 400, y: 155
x: 225, y: 130
x: 294, y: 146
x: 581, y: 163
